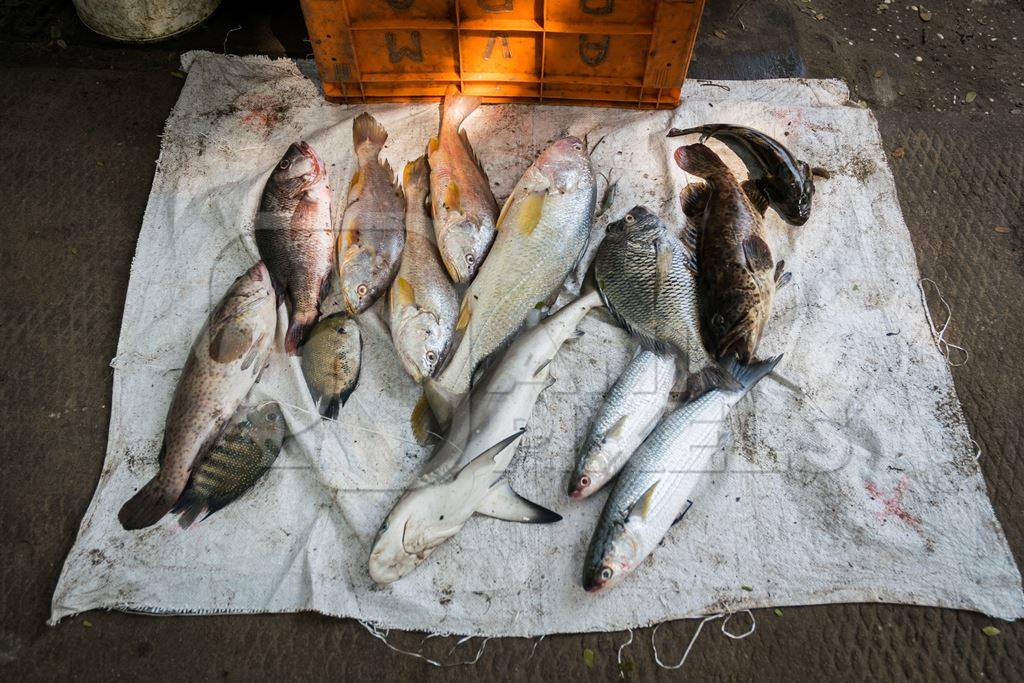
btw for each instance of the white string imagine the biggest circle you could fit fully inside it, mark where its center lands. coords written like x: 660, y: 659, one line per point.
x: 712, y: 617
x: 939, y: 333
x: 534, y: 650
x: 622, y: 674
x: 382, y: 635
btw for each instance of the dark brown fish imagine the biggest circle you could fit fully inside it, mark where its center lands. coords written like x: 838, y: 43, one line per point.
x: 294, y: 235
x: 737, y: 276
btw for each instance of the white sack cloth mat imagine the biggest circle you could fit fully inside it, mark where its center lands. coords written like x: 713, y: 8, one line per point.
x: 863, y: 488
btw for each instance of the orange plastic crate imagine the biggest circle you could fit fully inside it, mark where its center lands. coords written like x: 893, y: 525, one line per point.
x: 626, y: 53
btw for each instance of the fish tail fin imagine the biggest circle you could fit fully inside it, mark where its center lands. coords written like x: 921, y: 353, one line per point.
x: 712, y: 376
x: 750, y: 374
x: 190, y: 506
x: 330, y: 408
x: 457, y: 107
x: 368, y: 137
x: 700, y: 160
x: 676, y: 132
x: 416, y: 180
x: 145, y: 508
x: 298, y: 328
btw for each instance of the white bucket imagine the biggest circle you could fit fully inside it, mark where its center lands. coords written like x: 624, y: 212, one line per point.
x: 140, y: 21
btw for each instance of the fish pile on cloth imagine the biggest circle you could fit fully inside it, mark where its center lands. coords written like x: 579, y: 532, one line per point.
x: 860, y: 486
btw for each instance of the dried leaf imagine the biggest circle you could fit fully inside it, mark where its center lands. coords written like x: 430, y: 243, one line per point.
x: 898, y: 153
x: 747, y: 588
x: 719, y: 33
x: 588, y: 658
x: 970, y: 97
x: 1002, y: 229
x: 778, y: 612
x: 73, y: 251
x: 990, y: 631
x: 879, y: 73
x: 178, y: 73
x: 88, y: 624
x: 925, y: 15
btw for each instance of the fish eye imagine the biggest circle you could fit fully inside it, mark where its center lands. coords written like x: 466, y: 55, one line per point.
x: 285, y: 163
x: 272, y: 417
x: 578, y: 146
x: 384, y: 526
x: 606, y: 573
x: 362, y: 289
x: 470, y: 258
x: 585, y: 480
x: 630, y: 219
x: 431, y: 356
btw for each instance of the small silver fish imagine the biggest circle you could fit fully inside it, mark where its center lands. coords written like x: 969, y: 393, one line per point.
x: 630, y: 411
x: 652, y: 490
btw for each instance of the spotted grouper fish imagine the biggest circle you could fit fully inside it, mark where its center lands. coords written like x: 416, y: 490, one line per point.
x: 737, y: 275
x: 224, y: 363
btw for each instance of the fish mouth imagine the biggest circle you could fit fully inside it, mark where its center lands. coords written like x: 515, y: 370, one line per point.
x: 307, y: 151
x: 593, y: 584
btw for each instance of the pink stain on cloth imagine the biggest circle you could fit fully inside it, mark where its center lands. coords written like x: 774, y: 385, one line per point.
x: 892, y: 505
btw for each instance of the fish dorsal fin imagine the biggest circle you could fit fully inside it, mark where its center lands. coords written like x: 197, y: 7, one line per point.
x: 527, y: 217
x: 404, y: 294
x: 758, y: 254
x: 756, y: 195
x: 470, y: 151
x: 489, y: 456
x: 504, y: 503
x: 642, y: 507
x: 452, y: 199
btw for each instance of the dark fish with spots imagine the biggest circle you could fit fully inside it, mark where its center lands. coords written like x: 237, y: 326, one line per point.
x: 786, y: 181
x: 330, y: 362
x: 244, y: 452
x: 294, y: 236
x: 226, y: 360
x: 736, y: 273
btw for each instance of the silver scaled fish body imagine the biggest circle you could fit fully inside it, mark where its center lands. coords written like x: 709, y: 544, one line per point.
x: 465, y: 212
x: 653, y: 489
x: 423, y: 301
x: 542, y: 233
x: 465, y: 474
x: 372, y: 231
x: 631, y: 409
x: 225, y: 361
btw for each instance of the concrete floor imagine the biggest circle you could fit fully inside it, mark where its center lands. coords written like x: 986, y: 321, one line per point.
x: 81, y: 128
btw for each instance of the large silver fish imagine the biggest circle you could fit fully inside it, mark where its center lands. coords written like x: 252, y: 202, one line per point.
x: 373, y: 228
x: 542, y: 232
x: 652, y: 490
x: 294, y: 236
x: 464, y: 476
x: 464, y: 208
x: 631, y: 409
x: 423, y: 301
x: 226, y: 360
x: 243, y: 453
x: 646, y: 278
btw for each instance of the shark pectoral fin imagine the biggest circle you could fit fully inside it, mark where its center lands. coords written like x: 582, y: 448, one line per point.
x: 504, y: 503
x: 489, y: 456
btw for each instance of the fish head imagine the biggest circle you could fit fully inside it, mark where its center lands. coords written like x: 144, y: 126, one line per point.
x: 594, y: 472
x: 422, y: 344
x: 464, y: 246
x: 565, y: 165
x: 612, y: 555
x: 360, y: 280
x: 410, y: 533
x: 299, y: 169
x: 639, y: 223
x: 268, y: 426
